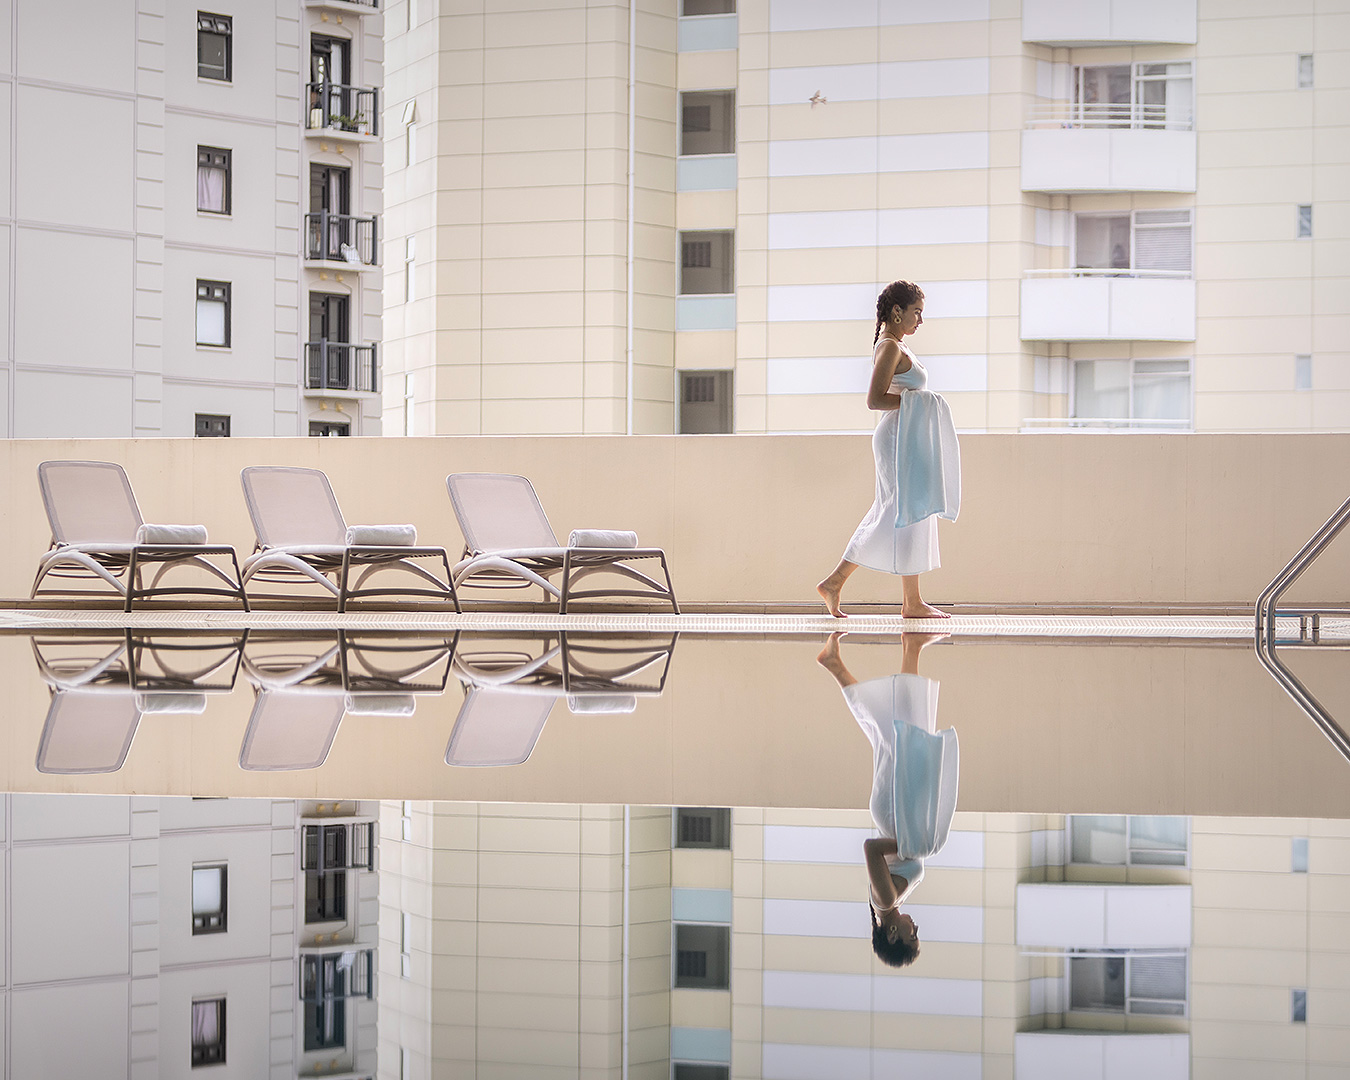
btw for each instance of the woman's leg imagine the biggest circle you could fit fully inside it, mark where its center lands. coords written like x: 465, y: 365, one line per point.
x: 913, y: 606
x: 832, y: 662
x: 831, y: 587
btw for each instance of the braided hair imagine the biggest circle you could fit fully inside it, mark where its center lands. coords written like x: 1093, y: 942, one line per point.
x: 897, y: 294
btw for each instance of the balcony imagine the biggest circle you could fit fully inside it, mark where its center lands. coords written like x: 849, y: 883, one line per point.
x: 1070, y: 147
x: 1067, y: 23
x: 330, y: 975
x: 350, y: 241
x: 1108, y: 305
x: 339, y: 366
x: 350, y: 113
x: 1095, y: 1055
x: 347, y: 845
x: 345, y: 7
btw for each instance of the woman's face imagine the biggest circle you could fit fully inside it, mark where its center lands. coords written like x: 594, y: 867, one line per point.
x: 908, y: 319
x: 901, y: 927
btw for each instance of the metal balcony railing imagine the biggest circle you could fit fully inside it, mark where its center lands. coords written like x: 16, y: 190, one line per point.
x: 353, y: 109
x: 338, y: 847
x: 1077, y: 114
x: 1109, y: 272
x: 338, y: 365
x: 342, y: 238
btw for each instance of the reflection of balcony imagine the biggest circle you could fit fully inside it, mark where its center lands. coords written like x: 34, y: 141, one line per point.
x: 352, y: 7
x: 337, y: 365
x: 1109, y: 22
x: 1098, y: 1055
x: 1071, y: 147
x: 344, y: 112
x: 342, y: 238
x: 1108, y: 305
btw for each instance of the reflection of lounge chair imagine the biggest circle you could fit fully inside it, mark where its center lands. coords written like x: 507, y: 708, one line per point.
x: 98, y: 533
x: 302, y: 537
x: 509, y: 693
x: 508, y: 543
x: 305, y: 686
x: 97, y: 702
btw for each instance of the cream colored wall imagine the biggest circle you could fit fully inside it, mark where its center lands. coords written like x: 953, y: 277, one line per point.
x: 518, y: 205
x: 1058, y: 519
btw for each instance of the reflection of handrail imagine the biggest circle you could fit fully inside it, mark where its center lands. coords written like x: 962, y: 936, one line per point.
x: 1109, y: 272
x: 1103, y: 423
x: 1267, y: 611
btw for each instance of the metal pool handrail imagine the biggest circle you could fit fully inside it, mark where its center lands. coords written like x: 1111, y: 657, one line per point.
x: 1267, y: 611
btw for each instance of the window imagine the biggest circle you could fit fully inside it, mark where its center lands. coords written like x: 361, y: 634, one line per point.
x: 211, y: 426
x: 213, y: 180
x: 405, y: 946
x: 215, y: 48
x: 1298, y: 855
x: 1140, y: 95
x: 706, y: 263
x: 1305, y: 71
x: 703, y: 827
x: 1298, y: 1006
x: 705, y: 403
x: 208, y: 899
x: 702, y: 956
x: 1139, y: 840
x: 409, y: 269
x: 1133, y: 393
x: 708, y: 7
x: 1145, y: 243
x: 1303, y: 372
x: 325, y: 896
x: 1152, y: 984
x: 326, y: 982
x: 708, y: 122
x: 213, y: 313
x: 336, y: 428
x: 208, y: 1032
x: 1304, y: 221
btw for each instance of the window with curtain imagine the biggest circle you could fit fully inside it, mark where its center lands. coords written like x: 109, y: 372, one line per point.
x: 208, y: 1032
x: 213, y: 180
x: 213, y: 312
x: 1137, y: 392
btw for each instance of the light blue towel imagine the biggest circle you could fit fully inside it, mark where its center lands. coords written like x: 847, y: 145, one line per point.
x: 927, y: 460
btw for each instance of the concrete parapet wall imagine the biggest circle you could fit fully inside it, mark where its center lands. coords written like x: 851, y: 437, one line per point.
x: 1046, y: 519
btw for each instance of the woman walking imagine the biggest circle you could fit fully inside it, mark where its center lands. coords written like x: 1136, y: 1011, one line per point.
x: 917, y: 459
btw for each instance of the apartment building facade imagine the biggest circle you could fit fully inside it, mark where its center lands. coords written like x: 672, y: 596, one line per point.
x: 233, y: 936
x: 1124, y: 215
x: 217, y: 173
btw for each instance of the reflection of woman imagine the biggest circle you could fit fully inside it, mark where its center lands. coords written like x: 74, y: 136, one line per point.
x: 914, y: 774
x: 917, y: 461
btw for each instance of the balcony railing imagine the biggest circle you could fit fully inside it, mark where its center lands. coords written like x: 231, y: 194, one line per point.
x: 338, y: 365
x: 1110, y: 272
x: 1078, y: 114
x: 1108, y: 304
x: 1102, y: 423
x: 336, y: 976
x: 344, y: 238
x: 351, y: 109
x: 339, y: 847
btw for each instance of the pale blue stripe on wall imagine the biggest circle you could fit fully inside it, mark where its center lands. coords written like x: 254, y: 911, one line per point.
x: 700, y: 1044
x: 711, y: 172
x: 705, y: 33
x: 705, y: 313
x: 700, y: 905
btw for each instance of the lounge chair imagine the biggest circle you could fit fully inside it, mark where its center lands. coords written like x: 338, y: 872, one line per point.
x: 98, y: 532
x: 508, y: 543
x: 303, y: 537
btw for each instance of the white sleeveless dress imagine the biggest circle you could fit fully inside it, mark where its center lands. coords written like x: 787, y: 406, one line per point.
x: 923, y: 419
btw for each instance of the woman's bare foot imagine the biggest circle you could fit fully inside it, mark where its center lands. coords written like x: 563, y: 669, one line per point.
x: 828, y: 657
x: 923, y: 611
x: 829, y: 590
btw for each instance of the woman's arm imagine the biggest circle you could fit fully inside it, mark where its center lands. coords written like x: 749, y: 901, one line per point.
x: 890, y: 361
x: 884, y: 893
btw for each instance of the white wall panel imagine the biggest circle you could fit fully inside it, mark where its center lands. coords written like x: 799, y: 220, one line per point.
x: 963, y: 850
x: 81, y: 44
x: 813, y: 15
x: 887, y: 228
x: 71, y: 1031
x: 885, y: 81
x: 823, y: 229
x: 821, y: 303
x: 819, y: 375
x: 83, y: 177
x: 1089, y: 1055
x: 904, y: 12
x: 49, y: 263
x: 910, y: 994
x: 823, y: 157
x: 934, y: 151
x: 66, y: 817
x: 848, y: 918
x: 954, y: 299
x: 65, y: 936
x: 1064, y: 915
x: 789, y: 1061
x: 814, y: 844
x: 947, y: 374
x: 74, y: 404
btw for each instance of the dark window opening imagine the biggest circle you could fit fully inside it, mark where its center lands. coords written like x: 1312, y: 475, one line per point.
x: 702, y: 956
x: 208, y: 1032
x: 213, y: 180
x: 708, y: 122
x: 706, y: 263
x: 213, y: 312
x: 215, y: 49
x: 703, y: 827
x: 211, y: 426
x: 705, y: 403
